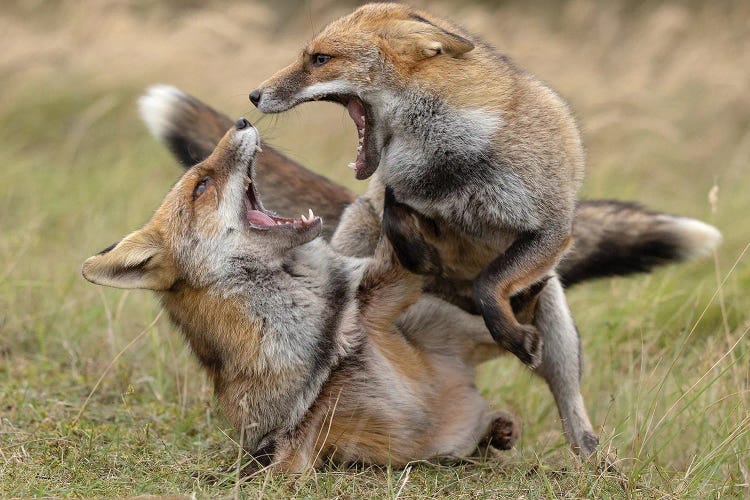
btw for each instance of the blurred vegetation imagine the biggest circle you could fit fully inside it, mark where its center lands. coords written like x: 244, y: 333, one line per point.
x: 661, y: 92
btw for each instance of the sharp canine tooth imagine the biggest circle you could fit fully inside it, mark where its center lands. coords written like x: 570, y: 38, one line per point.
x: 363, y: 117
x: 310, y: 214
x: 258, y: 149
x: 352, y: 165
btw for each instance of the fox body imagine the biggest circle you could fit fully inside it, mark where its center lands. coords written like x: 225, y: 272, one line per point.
x: 460, y: 134
x: 310, y: 352
x: 611, y: 238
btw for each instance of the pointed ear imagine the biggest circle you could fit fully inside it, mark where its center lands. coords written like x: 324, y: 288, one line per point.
x: 422, y: 39
x: 138, y: 261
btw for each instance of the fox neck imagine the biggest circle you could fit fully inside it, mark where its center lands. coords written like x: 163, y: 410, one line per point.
x: 270, y: 339
x: 429, y: 146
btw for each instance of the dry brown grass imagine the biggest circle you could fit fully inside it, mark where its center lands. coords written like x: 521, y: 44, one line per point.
x: 661, y: 92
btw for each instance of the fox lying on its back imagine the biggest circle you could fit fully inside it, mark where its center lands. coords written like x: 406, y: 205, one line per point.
x: 460, y: 134
x: 310, y: 352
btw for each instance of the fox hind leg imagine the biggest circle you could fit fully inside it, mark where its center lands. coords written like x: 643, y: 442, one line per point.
x: 561, y: 366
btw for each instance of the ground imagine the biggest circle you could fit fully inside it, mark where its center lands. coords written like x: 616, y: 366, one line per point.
x: 100, y: 397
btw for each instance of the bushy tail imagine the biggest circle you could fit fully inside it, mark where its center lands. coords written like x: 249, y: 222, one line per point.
x: 191, y: 130
x: 614, y: 238
x: 610, y: 237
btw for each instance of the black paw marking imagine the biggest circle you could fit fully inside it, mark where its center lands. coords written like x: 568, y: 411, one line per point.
x: 401, y: 225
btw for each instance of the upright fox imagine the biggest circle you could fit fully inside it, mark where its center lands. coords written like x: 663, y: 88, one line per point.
x: 459, y: 133
x: 310, y: 352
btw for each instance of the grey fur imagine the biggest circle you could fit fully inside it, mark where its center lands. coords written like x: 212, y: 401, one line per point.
x: 601, y: 248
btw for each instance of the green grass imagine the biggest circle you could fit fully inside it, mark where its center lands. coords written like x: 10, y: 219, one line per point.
x: 661, y: 94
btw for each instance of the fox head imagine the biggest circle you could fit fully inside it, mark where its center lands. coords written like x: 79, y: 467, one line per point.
x: 210, y: 224
x: 360, y: 61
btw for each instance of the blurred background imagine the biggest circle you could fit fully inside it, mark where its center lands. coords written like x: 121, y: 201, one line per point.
x: 661, y: 91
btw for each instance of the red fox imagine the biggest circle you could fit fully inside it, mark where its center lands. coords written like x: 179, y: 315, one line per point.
x: 461, y: 134
x: 610, y: 238
x: 313, y: 355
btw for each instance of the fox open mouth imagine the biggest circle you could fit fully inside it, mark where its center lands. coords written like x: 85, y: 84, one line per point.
x: 260, y: 218
x: 368, y: 156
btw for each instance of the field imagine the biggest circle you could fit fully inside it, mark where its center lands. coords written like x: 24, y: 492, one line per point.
x: 100, y: 397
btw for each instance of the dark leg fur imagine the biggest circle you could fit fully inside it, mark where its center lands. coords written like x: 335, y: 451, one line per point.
x: 493, y: 287
x: 524, y: 302
x: 403, y: 226
x: 523, y: 341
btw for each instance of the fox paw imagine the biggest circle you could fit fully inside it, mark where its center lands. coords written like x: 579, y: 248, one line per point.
x: 524, y: 342
x: 532, y: 345
x: 504, y: 431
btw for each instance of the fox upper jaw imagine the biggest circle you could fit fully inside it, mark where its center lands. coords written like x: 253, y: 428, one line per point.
x: 276, y: 99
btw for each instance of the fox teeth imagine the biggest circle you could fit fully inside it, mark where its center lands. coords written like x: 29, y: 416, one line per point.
x: 352, y: 165
x: 303, y: 218
x: 362, y: 117
x: 310, y: 216
x: 258, y: 148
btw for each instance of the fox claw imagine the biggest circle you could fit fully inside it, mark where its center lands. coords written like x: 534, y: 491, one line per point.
x: 523, y: 341
x: 532, y: 346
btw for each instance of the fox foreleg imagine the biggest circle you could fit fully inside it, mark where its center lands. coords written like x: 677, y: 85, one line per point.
x: 404, y: 228
x: 530, y: 259
x: 388, y: 287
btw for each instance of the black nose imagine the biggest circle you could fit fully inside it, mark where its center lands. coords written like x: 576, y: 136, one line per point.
x: 242, y: 123
x: 255, y: 97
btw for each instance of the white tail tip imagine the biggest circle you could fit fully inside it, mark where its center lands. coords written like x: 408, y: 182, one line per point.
x: 700, y: 239
x: 156, y: 107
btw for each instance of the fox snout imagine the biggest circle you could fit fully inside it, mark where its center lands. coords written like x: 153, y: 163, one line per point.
x: 244, y: 139
x: 274, y: 99
x: 283, y: 90
x: 242, y: 123
x: 255, y: 97
x: 245, y: 131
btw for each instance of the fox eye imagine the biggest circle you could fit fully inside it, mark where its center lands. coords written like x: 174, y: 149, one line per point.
x: 201, y: 187
x: 320, y: 59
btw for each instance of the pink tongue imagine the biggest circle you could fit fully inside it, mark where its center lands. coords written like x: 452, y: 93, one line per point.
x: 356, y: 111
x: 259, y: 218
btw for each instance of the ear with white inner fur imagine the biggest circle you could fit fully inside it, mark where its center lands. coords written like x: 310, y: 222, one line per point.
x: 138, y: 261
x: 424, y: 39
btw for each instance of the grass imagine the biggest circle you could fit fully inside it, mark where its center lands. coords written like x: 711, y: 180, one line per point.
x: 661, y: 93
